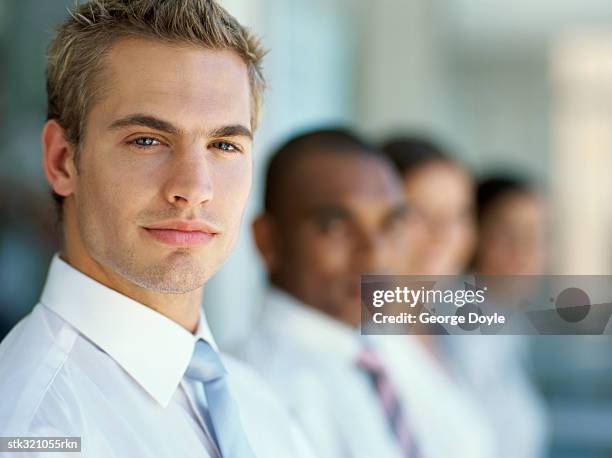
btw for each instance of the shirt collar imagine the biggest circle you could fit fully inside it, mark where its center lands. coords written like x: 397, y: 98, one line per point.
x: 312, y: 328
x: 150, y: 347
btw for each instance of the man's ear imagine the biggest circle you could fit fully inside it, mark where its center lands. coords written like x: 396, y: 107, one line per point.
x: 58, y: 159
x: 267, y: 242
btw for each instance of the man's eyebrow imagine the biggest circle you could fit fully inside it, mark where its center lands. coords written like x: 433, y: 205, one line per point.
x: 399, y: 211
x: 145, y: 121
x: 234, y: 130
x: 330, y: 211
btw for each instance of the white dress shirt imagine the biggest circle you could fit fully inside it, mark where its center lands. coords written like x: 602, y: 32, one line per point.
x: 447, y: 417
x: 495, y: 368
x: 91, y: 362
x: 311, y: 360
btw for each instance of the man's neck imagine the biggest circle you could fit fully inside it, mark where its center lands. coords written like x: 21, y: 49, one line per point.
x: 183, y: 309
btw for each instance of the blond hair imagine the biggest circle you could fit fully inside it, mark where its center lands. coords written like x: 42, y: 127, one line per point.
x: 76, y: 52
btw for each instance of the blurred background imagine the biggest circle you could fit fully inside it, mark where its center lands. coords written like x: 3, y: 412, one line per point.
x: 521, y: 86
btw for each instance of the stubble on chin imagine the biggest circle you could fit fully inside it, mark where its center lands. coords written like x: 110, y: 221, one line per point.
x: 178, y: 273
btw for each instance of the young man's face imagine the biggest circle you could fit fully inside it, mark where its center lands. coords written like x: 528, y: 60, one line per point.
x: 164, y: 169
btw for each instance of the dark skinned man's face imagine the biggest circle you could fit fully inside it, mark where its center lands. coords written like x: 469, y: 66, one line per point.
x: 343, y: 215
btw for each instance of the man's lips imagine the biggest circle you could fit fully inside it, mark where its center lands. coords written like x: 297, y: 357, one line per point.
x: 185, y: 233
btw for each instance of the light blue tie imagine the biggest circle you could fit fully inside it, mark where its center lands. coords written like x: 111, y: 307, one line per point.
x: 224, y: 421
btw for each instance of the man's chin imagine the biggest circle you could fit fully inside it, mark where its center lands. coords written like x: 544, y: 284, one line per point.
x: 171, y: 281
x: 350, y: 311
x: 177, y: 273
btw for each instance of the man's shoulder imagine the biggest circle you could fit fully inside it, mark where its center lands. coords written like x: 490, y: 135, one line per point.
x: 243, y: 378
x: 263, y: 413
x: 292, y: 385
x: 277, y: 348
x: 31, y: 357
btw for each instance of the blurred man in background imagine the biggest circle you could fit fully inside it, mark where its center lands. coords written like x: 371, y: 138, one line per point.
x: 152, y: 106
x: 334, y: 210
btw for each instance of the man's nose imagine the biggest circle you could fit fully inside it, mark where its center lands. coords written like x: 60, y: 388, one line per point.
x: 189, y: 182
x: 371, y: 256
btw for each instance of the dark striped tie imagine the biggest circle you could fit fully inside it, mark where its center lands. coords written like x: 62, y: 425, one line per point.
x: 369, y: 361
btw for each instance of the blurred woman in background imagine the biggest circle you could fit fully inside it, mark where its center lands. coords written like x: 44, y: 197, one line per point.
x: 512, y: 225
x: 440, y: 196
x: 499, y: 227
x: 511, y: 220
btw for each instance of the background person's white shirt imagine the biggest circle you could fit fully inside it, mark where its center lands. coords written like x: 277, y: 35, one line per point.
x: 310, y: 359
x: 448, y: 419
x: 495, y: 367
x: 90, y: 362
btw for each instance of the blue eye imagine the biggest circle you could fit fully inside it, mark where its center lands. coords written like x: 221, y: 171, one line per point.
x: 225, y: 146
x: 145, y: 142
